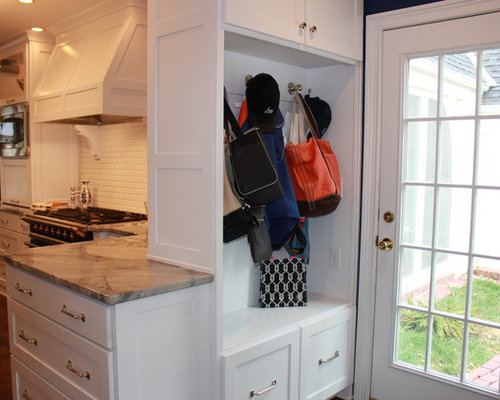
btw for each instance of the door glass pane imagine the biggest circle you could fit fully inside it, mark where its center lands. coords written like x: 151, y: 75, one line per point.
x: 490, y: 81
x: 488, y: 160
x: 446, y: 353
x: 487, y: 228
x: 419, y: 151
x: 417, y: 215
x: 421, y: 98
x: 453, y: 219
x: 415, y: 277
x: 485, y: 300
x: 450, y: 283
x: 483, y: 357
x: 412, y: 337
x: 459, y: 84
x: 456, y: 152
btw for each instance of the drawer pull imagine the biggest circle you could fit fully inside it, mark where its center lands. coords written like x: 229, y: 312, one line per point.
x: 5, y: 245
x: 336, y: 355
x: 274, y: 383
x: 24, y: 291
x: 81, y: 317
x: 27, y: 395
x: 85, y: 374
x: 30, y: 341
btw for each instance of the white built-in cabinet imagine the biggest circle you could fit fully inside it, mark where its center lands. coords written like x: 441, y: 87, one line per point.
x: 68, y: 346
x: 52, y: 165
x: 333, y: 26
x: 253, y: 348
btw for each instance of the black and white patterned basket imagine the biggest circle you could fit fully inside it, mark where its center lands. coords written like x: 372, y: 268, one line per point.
x: 283, y: 282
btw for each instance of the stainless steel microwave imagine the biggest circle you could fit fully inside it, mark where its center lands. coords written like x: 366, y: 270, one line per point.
x: 14, y: 135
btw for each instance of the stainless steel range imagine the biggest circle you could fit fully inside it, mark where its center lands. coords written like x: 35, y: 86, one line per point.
x: 68, y: 225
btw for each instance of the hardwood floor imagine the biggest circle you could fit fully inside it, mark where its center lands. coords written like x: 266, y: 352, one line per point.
x: 5, y: 379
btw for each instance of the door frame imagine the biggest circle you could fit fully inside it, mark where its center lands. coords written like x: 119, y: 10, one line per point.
x: 375, y: 27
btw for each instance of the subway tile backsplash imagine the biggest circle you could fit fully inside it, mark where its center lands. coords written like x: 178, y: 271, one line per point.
x: 118, y: 180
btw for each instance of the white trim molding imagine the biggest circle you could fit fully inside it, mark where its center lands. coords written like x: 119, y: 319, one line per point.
x: 375, y: 27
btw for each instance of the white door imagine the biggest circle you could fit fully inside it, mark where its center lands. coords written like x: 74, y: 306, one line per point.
x: 437, y: 308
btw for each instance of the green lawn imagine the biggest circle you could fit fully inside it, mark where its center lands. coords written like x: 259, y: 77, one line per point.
x: 446, y: 352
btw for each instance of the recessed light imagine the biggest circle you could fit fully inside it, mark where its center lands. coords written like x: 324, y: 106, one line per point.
x: 26, y: 1
x: 36, y: 29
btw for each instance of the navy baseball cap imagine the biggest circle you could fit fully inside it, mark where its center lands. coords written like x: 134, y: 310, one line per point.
x: 263, y: 98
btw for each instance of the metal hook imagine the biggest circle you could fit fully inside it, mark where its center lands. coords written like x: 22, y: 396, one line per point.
x: 293, y: 88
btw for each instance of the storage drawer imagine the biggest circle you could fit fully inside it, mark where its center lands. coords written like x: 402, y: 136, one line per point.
x: 9, y: 241
x: 78, y: 313
x: 64, y: 359
x: 9, y: 221
x: 327, y: 356
x: 27, y: 385
x: 269, y: 369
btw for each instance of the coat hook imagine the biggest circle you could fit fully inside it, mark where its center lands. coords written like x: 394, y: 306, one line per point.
x: 293, y: 88
x: 248, y: 77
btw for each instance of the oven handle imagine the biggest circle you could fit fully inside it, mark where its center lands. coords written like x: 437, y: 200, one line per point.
x: 45, y: 238
x: 28, y: 219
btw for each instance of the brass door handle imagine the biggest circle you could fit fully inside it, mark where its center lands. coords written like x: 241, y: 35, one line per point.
x: 385, y: 244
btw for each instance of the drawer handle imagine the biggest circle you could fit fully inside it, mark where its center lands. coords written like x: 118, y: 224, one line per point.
x: 30, y: 341
x: 4, y: 221
x: 27, y: 395
x: 24, y: 291
x: 85, y: 374
x: 274, y: 383
x: 81, y: 317
x: 5, y: 245
x: 336, y: 355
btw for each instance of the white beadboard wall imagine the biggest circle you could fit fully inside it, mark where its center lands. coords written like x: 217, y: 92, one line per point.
x: 118, y: 180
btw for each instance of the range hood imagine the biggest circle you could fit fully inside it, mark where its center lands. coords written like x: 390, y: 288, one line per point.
x: 96, y: 73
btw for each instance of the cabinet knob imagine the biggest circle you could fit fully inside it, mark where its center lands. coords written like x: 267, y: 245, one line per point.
x: 313, y: 29
x: 303, y: 25
x: 27, y: 395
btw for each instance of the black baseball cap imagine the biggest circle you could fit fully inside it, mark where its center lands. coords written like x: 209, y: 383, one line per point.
x: 263, y: 98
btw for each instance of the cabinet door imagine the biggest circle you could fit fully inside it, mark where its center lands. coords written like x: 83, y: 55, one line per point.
x: 327, y: 356
x: 279, y: 18
x: 269, y: 368
x: 335, y: 26
x: 16, y: 188
x: 13, y: 80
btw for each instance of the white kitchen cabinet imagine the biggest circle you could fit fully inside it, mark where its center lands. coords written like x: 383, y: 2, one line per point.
x: 331, y: 26
x: 64, y: 343
x: 185, y: 170
x: 52, y: 167
x: 13, y: 237
x: 269, y: 368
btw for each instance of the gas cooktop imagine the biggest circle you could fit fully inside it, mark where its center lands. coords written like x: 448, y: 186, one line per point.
x: 92, y: 215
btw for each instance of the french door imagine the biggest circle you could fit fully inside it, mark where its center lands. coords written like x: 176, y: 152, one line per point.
x: 437, y: 300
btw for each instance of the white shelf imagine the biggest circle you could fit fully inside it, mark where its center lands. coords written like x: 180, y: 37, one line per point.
x: 250, y: 324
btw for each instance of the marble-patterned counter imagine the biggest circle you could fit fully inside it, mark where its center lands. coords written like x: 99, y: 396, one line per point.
x: 112, y: 270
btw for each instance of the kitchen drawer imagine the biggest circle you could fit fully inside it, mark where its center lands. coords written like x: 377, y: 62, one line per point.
x: 27, y: 385
x: 327, y: 355
x: 67, y: 361
x: 269, y: 369
x: 9, y: 221
x: 9, y: 241
x: 88, y: 317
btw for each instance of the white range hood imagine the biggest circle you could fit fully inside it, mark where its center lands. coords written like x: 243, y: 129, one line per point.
x: 96, y: 73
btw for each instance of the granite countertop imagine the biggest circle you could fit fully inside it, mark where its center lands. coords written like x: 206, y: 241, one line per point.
x: 112, y: 270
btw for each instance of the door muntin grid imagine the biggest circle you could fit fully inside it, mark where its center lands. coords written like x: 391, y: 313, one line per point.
x: 450, y: 223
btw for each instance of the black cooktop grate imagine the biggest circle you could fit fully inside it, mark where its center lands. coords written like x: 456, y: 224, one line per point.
x: 92, y: 215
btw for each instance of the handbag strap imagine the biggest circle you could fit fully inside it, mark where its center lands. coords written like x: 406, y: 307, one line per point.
x: 308, y: 115
x: 230, y: 120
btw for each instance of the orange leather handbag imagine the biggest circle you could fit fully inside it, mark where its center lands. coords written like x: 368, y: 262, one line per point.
x: 313, y: 167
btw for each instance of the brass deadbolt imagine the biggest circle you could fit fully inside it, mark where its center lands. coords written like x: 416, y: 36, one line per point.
x: 388, y: 217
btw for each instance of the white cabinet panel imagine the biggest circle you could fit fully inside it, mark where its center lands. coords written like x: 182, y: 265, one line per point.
x: 270, y: 367
x: 16, y: 178
x: 28, y: 385
x: 65, y: 359
x: 327, y: 356
x: 78, y: 313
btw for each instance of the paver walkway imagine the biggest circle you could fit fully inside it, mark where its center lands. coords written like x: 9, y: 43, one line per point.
x: 487, y: 374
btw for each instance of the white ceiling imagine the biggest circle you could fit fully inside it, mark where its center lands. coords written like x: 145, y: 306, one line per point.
x: 16, y: 17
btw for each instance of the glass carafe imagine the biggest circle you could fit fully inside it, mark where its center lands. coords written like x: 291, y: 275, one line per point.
x: 85, y: 196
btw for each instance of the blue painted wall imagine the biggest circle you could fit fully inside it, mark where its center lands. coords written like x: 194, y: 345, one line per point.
x: 376, y: 6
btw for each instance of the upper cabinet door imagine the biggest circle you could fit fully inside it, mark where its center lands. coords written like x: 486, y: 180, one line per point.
x: 335, y: 26
x: 332, y: 26
x: 279, y: 18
